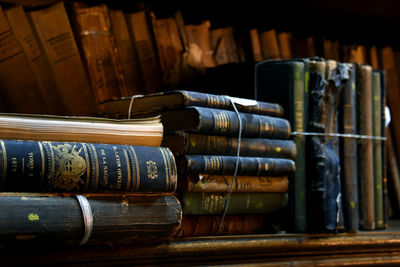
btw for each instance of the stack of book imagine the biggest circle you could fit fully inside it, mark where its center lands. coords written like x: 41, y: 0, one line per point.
x: 82, y: 179
x: 203, y: 131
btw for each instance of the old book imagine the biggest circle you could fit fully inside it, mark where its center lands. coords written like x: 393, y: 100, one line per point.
x: 330, y: 49
x: 384, y: 146
x: 365, y: 148
x: 142, y: 36
x: 204, y: 203
x: 16, y: 76
x: 99, y: 51
x: 41, y: 166
x: 56, y: 38
x: 48, y: 219
x: 169, y: 45
x: 203, y: 144
x: 200, y: 35
x: 348, y: 152
x: 304, y: 46
x: 36, y: 59
x: 285, y: 44
x: 223, y: 45
x: 222, y: 183
x: 377, y: 148
x: 207, y: 225
x: 146, y: 132
x: 393, y: 174
x: 153, y: 103
x: 256, y: 45
x: 286, y: 82
x: 225, y: 165
x: 127, y: 52
x: 224, y: 122
x: 269, y: 44
x: 373, y: 58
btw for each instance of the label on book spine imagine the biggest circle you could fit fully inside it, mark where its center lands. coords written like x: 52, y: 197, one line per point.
x: 85, y: 167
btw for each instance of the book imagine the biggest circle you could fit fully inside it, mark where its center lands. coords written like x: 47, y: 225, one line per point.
x: 269, y: 44
x: 348, y: 152
x: 222, y: 183
x: 255, y: 45
x: 145, y: 132
x: 203, y: 144
x: 36, y: 59
x: 286, y: 82
x: 393, y: 174
x: 54, y: 32
x: 223, y: 46
x: 207, y: 225
x: 249, y: 166
x: 224, y: 122
x: 285, y: 44
x: 365, y: 148
x: 377, y: 149
x: 152, y: 103
x: 99, y: 51
x: 127, y: 52
x: 40, y: 166
x: 28, y: 218
x: 16, y: 76
x: 200, y: 35
x: 205, y: 203
x: 140, y: 29
x: 327, y: 80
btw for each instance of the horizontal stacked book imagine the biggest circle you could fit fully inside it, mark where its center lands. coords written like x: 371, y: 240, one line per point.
x: 202, y: 130
x: 85, y: 180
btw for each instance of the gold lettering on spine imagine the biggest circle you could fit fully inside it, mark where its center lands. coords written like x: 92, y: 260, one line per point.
x: 43, y: 163
x: 221, y: 122
x: 137, y: 170
x: 212, y: 203
x: 3, y: 154
x: 128, y: 169
x: 96, y: 166
x: 213, y: 164
x: 88, y: 172
x: 119, y: 170
x: 167, y: 166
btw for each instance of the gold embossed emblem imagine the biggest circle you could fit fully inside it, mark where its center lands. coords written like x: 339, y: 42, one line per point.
x: 151, y: 169
x: 70, y: 167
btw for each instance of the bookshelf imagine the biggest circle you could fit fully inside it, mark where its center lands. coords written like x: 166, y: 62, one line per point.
x: 381, y: 247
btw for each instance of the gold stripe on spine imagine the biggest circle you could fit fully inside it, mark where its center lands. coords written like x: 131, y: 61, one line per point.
x: 96, y: 163
x: 52, y: 175
x: 88, y: 173
x: 43, y: 164
x: 4, y: 154
x: 128, y: 169
x: 172, y: 169
x: 167, y: 167
x: 137, y: 169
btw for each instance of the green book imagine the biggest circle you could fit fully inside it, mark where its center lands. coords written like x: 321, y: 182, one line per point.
x: 377, y: 148
x: 286, y: 82
x: 194, y: 203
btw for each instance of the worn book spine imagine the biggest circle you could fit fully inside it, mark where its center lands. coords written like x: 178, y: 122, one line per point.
x: 393, y: 174
x: 384, y: 147
x: 225, y: 122
x: 251, y: 166
x: 16, y: 76
x: 99, y: 51
x: 35, y: 166
x: 57, y: 219
x: 202, y: 144
x: 287, y: 83
x: 255, y: 45
x: 377, y: 149
x: 269, y: 44
x: 207, y: 225
x: 36, y: 58
x: 223, y: 183
x: 365, y: 148
x: 53, y: 29
x: 348, y: 153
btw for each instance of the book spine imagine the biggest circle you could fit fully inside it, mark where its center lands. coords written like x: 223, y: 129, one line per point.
x: 224, y: 122
x: 365, y: 149
x: 204, y: 203
x: 222, y: 183
x: 377, y: 149
x: 206, y: 225
x: 36, y: 218
x: 384, y: 147
x: 348, y: 151
x: 251, y: 166
x: 85, y: 167
x: 197, y: 144
x: 222, y: 102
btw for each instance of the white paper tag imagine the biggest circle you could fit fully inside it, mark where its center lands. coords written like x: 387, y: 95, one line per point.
x: 243, y: 101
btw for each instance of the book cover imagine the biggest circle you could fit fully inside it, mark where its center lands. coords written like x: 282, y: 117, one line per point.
x: 286, y: 82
